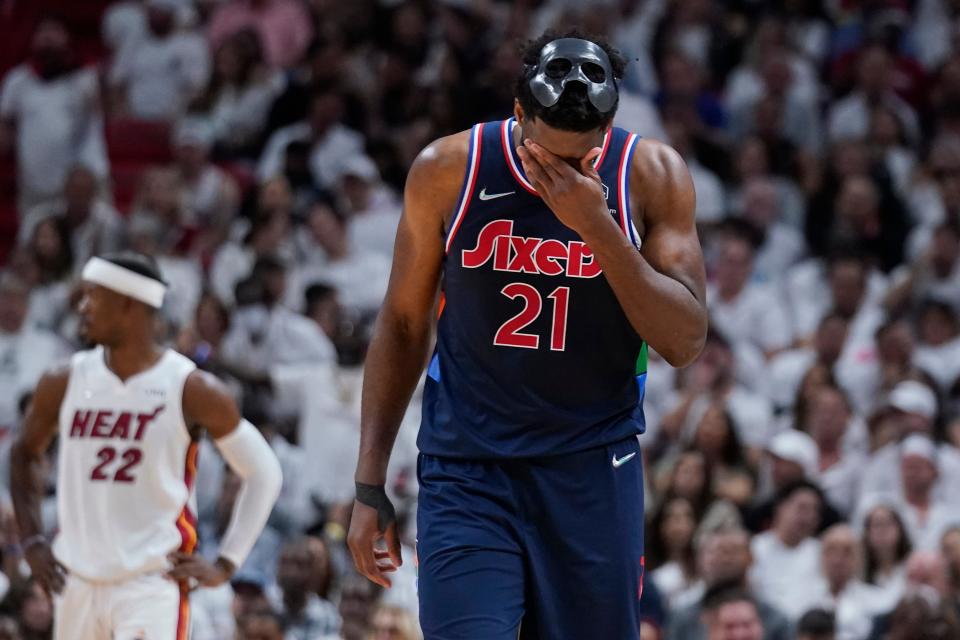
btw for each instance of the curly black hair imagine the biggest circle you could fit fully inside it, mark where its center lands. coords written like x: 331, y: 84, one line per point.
x: 574, y: 111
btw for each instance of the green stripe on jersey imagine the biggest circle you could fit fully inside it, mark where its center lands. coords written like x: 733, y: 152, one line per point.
x: 642, y: 360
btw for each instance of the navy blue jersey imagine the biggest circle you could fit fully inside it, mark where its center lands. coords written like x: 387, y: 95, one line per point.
x: 534, y: 354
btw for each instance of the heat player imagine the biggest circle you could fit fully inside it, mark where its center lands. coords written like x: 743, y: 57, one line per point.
x: 129, y: 414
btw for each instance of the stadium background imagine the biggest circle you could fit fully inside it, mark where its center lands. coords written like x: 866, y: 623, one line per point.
x: 258, y: 149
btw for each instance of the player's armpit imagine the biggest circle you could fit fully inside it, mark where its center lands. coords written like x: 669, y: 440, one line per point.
x: 208, y: 403
x: 664, y: 206
x: 663, y: 290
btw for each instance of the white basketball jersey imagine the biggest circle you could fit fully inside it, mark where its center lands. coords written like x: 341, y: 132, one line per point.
x: 126, y: 469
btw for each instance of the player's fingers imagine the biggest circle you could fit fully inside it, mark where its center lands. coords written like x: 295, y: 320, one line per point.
x: 365, y: 561
x: 586, y: 164
x: 532, y: 168
x: 392, y: 539
x: 55, y: 582
x: 380, y: 555
x: 178, y: 557
x: 553, y: 166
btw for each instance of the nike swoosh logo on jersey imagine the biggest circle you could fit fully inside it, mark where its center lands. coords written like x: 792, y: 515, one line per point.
x: 493, y: 196
x: 619, y: 462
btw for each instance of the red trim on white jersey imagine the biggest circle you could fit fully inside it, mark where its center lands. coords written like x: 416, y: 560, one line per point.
x: 183, y: 617
x: 476, y: 136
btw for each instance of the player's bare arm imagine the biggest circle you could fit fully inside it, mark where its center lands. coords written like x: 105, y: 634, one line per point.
x: 27, y: 482
x: 661, y: 288
x: 208, y: 404
x: 398, y: 350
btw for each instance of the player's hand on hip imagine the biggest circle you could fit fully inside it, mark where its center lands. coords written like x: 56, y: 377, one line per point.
x: 363, y: 538
x: 50, y: 574
x: 192, y: 571
x: 575, y: 195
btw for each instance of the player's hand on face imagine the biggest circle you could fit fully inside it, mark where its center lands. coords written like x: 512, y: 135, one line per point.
x: 574, y: 195
x: 362, y: 539
x: 44, y: 568
x: 192, y: 571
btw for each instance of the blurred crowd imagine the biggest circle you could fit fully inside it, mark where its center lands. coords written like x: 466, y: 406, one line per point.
x: 799, y: 472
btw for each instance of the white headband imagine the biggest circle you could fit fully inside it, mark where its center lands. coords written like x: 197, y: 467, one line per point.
x: 124, y: 281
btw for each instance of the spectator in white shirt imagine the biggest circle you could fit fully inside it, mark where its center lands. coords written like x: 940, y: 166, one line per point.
x: 838, y: 469
x: 304, y: 613
x: 158, y: 75
x: 886, y: 545
x: 265, y: 333
x: 242, y: 88
x: 330, y: 142
x: 269, y: 235
x: 746, y: 312
x: 786, y: 558
x: 359, y: 276
x: 669, y: 547
x: 791, y: 456
x: 25, y: 352
x: 50, y: 112
x: 49, y: 263
x: 210, y: 196
x: 731, y: 613
x: 912, y: 408
x: 712, y: 378
x: 95, y: 226
x: 723, y: 558
x: 850, y: 117
x: 938, y: 348
x: 926, y: 516
x: 935, y: 273
x: 853, y: 602
x: 788, y: 369
x: 372, y: 207
x: 781, y: 245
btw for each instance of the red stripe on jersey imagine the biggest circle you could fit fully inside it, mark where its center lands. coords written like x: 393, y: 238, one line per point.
x: 186, y: 521
x: 183, y: 617
x: 603, y: 150
x: 477, y: 143
x: 621, y: 191
x: 505, y: 131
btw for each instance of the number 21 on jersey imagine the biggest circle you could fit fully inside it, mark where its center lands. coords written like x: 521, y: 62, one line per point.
x: 510, y: 333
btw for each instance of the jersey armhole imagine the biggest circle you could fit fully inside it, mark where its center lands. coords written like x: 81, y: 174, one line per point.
x: 183, y: 416
x: 76, y: 360
x: 623, y: 191
x: 469, y: 182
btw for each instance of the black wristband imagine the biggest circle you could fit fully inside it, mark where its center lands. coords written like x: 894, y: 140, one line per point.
x: 374, y: 495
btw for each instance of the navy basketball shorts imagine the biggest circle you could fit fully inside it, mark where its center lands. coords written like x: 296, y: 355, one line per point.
x: 548, y: 548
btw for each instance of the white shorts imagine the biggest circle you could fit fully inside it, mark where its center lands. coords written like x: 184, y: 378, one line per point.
x: 148, y: 607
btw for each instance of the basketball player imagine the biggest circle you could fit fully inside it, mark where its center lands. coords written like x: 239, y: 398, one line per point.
x: 128, y: 414
x: 531, y: 505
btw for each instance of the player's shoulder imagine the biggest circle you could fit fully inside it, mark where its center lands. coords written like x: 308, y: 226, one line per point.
x: 656, y: 160
x: 203, y: 386
x: 443, y: 157
x: 52, y: 386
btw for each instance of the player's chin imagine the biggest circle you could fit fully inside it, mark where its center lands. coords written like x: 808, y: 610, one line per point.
x: 88, y: 333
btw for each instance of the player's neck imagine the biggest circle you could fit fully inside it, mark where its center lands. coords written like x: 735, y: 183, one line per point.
x: 131, y: 357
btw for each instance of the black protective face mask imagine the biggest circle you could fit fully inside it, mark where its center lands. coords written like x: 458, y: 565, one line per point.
x: 574, y: 60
